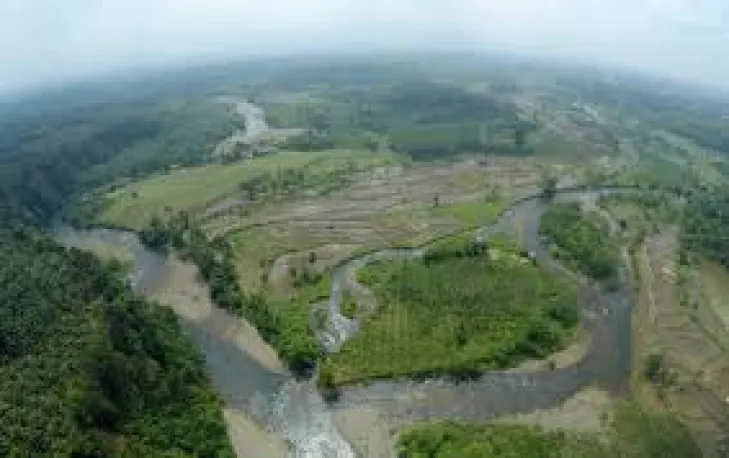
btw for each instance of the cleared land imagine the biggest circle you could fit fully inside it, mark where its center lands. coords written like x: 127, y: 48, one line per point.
x: 693, y: 371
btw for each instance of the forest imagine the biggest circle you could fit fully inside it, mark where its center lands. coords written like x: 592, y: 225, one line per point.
x: 423, y: 119
x: 581, y: 240
x: 48, y: 157
x: 455, y: 313
x: 88, y: 369
x: 693, y: 113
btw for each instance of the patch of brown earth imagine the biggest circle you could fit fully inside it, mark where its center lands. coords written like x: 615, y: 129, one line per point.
x: 698, y: 385
x: 367, y: 430
x: 250, y: 440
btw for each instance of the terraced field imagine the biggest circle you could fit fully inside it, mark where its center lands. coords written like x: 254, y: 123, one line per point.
x: 216, y: 189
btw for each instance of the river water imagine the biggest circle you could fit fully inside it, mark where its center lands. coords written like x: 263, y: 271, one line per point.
x: 606, y: 364
x: 291, y: 410
x: 294, y: 411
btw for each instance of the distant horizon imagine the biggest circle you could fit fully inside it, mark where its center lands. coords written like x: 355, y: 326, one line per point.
x: 144, y: 73
x: 46, y: 43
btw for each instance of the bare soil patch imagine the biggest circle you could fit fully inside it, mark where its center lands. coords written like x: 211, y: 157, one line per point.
x: 698, y: 364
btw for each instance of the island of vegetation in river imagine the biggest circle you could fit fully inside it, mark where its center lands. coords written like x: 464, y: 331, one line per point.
x: 461, y: 309
x: 581, y: 240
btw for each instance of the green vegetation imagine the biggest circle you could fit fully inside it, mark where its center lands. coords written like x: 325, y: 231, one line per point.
x: 635, y: 434
x: 693, y: 114
x: 325, y: 383
x: 412, y: 225
x: 85, y: 146
x: 255, y: 250
x: 582, y: 240
x: 457, y: 312
x: 471, y: 214
x: 440, y: 440
x: 705, y: 225
x: 88, y: 369
x: 414, y: 116
x: 349, y: 305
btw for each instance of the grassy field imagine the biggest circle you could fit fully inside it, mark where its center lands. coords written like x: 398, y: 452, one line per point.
x: 257, y: 249
x: 471, y: 213
x: 456, y: 313
x: 194, y: 188
x: 635, y: 434
x: 415, y: 226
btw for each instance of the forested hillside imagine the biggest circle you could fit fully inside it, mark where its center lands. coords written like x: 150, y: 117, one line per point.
x: 50, y: 155
x: 424, y: 119
x: 88, y: 369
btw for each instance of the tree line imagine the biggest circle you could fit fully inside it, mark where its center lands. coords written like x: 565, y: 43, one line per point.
x: 582, y: 241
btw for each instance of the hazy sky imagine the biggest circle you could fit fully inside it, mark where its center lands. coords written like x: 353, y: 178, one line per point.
x: 52, y: 41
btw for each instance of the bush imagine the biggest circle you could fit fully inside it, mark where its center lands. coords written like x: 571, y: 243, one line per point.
x: 582, y: 242
x: 654, y: 370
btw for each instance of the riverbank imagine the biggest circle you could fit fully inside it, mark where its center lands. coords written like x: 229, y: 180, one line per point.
x: 181, y: 290
x: 250, y: 377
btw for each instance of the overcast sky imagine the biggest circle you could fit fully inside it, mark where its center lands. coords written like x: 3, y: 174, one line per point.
x: 54, y: 41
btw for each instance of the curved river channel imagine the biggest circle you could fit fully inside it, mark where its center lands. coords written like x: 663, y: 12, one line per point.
x: 294, y: 412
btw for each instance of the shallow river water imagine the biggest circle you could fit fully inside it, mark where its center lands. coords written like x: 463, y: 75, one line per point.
x: 294, y: 412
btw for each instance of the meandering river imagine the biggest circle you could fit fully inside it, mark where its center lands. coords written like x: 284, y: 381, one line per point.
x: 293, y: 411
x: 606, y: 363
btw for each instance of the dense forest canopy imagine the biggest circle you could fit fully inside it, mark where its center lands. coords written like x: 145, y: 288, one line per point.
x: 88, y: 369
x: 416, y: 116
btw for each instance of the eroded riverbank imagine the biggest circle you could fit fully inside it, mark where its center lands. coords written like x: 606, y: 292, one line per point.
x: 268, y: 413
